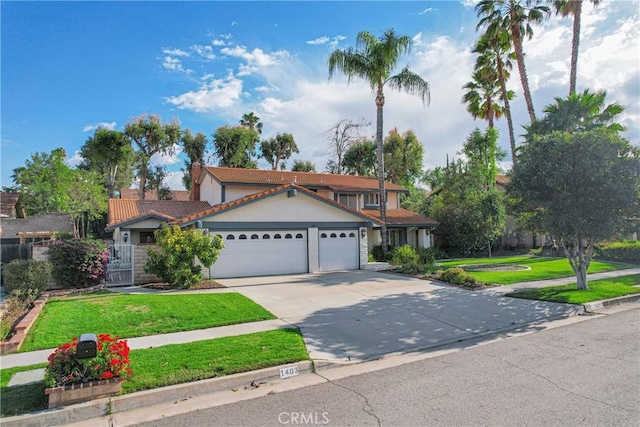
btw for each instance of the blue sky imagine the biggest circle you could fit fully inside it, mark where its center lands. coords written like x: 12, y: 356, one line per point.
x: 68, y: 67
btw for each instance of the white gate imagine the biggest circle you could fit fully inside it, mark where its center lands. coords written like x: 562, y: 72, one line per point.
x: 120, y: 265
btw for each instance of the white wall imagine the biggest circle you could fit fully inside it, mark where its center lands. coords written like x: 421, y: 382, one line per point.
x: 235, y: 192
x: 210, y: 191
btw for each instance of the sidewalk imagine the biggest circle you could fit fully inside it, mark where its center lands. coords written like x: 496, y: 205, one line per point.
x: 40, y: 356
x: 505, y: 289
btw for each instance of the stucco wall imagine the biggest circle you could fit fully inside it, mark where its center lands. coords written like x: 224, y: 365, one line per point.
x: 235, y: 192
x: 210, y: 191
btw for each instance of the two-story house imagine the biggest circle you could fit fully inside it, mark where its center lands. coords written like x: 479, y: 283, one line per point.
x: 278, y: 222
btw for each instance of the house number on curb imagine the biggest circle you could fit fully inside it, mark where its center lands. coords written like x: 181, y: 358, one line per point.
x: 289, y: 372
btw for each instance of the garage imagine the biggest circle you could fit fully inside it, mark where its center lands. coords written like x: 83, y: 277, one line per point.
x: 262, y: 253
x: 339, y: 250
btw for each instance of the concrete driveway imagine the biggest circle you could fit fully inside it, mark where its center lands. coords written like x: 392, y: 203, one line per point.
x: 359, y: 315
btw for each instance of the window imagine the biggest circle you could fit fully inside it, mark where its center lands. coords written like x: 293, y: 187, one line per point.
x: 352, y: 235
x: 288, y: 236
x: 254, y: 237
x: 266, y: 236
x: 277, y: 236
x: 350, y: 200
x: 333, y: 235
x: 323, y: 235
x: 373, y: 199
x: 298, y: 236
x: 231, y: 237
x: 243, y: 237
x: 343, y: 235
x: 147, y: 238
x: 397, y: 237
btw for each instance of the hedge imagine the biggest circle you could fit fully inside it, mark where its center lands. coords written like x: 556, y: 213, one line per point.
x: 625, y: 251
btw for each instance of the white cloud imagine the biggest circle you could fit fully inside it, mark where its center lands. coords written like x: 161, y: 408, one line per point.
x: 74, y: 160
x: 174, y: 52
x: 207, y: 76
x: 174, y: 64
x: 204, y: 51
x: 105, y: 125
x: 167, y: 159
x: 417, y: 39
x: 218, y: 42
x: 469, y: 3
x: 234, y: 23
x: 336, y: 40
x: 256, y: 57
x: 216, y: 94
x: 173, y: 180
x: 319, y: 40
x: 427, y: 10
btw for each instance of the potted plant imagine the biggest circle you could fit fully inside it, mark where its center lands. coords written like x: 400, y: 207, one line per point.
x: 71, y: 380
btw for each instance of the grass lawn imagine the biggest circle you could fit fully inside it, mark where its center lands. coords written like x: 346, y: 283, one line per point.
x: 175, y: 364
x: 137, y: 315
x: 541, y: 268
x: 599, y: 290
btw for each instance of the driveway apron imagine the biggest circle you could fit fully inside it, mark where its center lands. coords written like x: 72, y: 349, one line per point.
x: 361, y: 315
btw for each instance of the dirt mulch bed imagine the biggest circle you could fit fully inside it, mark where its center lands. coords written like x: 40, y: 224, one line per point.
x: 205, y: 284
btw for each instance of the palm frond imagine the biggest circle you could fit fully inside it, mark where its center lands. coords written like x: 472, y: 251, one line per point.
x: 411, y: 83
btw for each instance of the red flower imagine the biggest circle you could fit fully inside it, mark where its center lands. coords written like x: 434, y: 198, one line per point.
x: 107, y: 375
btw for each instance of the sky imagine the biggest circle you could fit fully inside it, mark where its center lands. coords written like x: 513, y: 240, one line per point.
x: 69, y: 67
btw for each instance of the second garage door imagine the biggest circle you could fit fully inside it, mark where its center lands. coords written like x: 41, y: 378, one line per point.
x: 262, y: 253
x: 339, y: 250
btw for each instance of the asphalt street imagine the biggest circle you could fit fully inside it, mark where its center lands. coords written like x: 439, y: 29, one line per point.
x: 583, y: 374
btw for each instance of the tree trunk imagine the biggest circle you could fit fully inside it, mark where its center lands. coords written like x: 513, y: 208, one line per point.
x: 575, y: 44
x: 383, y: 194
x: 143, y: 181
x: 517, y: 44
x: 575, y: 252
x: 507, y: 110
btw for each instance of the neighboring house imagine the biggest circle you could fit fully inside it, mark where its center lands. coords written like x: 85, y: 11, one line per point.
x: 512, y: 237
x: 34, y: 228
x: 9, y: 206
x: 281, y: 222
x: 132, y: 193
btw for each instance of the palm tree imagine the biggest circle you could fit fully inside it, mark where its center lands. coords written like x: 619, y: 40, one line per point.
x: 374, y: 59
x: 580, y: 112
x: 495, y: 53
x: 566, y: 8
x: 251, y: 121
x: 514, y: 17
x: 481, y: 96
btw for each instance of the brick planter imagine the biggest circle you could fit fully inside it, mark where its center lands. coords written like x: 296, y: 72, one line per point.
x: 77, y: 393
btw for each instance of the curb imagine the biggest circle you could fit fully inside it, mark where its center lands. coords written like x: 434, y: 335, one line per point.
x: 591, y: 307
x: 106, y: 406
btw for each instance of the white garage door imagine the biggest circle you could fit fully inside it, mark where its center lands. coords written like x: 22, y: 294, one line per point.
x: 339, y: 250
x: 261, y: 253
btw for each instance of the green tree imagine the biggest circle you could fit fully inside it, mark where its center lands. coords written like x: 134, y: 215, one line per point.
x: 578, y: 113
x: 433, y: 177
x: 513, y: 17
x: 151, y: 137
x: 482, y: 152
x: 43, y: 182
x: 251, y: 121
x: 87, y: 199
x: 403, y: 158
x: 235, y: 146
x: 110, y: 154
x: 574, y: 8
x: 176, y: 262
x: 360, y: 159
x: 194, y: 146
x: 278, y: 149
x: 156, y: 176
x: 494, y: 53
x: 580, y: 187
x: 481, y: 95
x: 303, y: 166
x: 374, y: 60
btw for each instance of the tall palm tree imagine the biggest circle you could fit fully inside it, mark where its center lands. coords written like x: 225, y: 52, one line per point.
x: 251, y: 121
x: 566, y: 8
x: 514, y: 17
x: 373, y: 60
x: 494, y: 51
x: 481, y: 95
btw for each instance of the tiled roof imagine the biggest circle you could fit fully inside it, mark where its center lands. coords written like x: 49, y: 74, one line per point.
x: 60, y: 222
x: 132, y: 193
x: 502, y: 179
x: 402, y: 217
x: 305, y: 179
x: 121, y: 210
x: 256, y: 196
x: 8, y: 204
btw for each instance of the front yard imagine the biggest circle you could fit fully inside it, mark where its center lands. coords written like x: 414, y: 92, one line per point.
x: 541, y: 268
x: 131, y: 316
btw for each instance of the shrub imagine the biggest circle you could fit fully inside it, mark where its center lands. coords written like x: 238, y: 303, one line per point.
x: 376, y: 251
x: 25, y: 274
x: 625, y: 251
x: 371, y: 258
x: 404, y: 255
x: 176, y: 263
x: 16, y: 305
x: 78, y: 263
x: 111, y: 361
x: 457, y: 276
x: 416, y: 268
